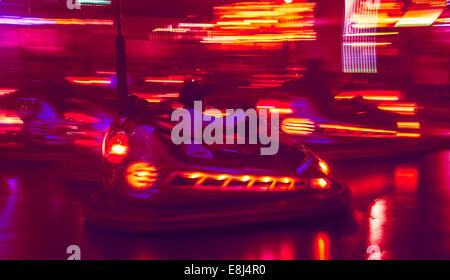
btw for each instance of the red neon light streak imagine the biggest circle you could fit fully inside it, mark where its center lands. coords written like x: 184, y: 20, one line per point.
x: 89, y: 80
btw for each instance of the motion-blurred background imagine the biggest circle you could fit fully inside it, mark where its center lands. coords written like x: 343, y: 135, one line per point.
x: 351, y: 79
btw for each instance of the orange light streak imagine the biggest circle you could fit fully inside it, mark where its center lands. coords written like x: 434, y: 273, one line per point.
x: 89, y: 80
x: 408, y: 125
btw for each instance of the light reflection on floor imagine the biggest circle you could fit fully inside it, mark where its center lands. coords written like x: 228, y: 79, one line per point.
x: 400, y: 205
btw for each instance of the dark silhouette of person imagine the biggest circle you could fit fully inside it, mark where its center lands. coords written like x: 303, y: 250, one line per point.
x: 192, y: 91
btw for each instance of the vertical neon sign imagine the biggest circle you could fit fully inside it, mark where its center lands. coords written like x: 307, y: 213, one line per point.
x: 358, y: 42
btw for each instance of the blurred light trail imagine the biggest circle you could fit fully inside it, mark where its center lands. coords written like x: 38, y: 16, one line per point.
x: 215, y: 113
x: 381, y: 98
x: 6, y: 91
x: 105, y: 72
x: 372, y: 34
x: 374, y: 95
x: 359, y: 44
x: 420, y: 17
x: 262, y: 22
x: 407, y: 134
x: 5, y: 119
x: 170, y: 28
x: 89, y: 80
x: 274, y: 109
x: 14, y: 20
x: 360, y: 129
x: 157, y: 97
x: 399, y: 108
x: 169, y: 80
x: 198, y: 25
x: 80, y: 117
x: 408, y: 125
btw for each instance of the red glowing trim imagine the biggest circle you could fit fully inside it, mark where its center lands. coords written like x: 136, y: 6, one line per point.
x: 6, y: 91
x: 141, y: 175
x: 89, y: 80
x: 81, y: 117
x: 408, y: 125
x: 297, y: 126
x: 320, y: 183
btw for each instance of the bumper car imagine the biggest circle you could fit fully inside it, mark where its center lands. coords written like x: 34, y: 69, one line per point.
x: 151, y: 184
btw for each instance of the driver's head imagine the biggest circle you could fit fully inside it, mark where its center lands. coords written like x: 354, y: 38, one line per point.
x: 191, y: 91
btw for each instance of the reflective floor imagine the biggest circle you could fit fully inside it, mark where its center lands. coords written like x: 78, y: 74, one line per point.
x: 400, y: 206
